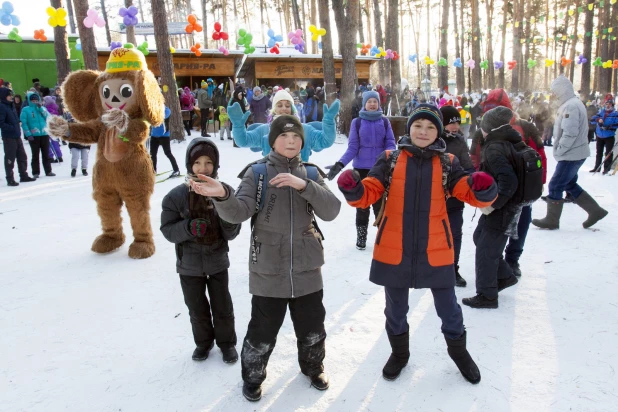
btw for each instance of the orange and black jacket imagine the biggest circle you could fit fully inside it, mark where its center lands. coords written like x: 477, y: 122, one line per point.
x: 414, y: 244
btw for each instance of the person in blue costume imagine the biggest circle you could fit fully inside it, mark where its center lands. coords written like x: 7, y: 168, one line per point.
x: 318, y: 135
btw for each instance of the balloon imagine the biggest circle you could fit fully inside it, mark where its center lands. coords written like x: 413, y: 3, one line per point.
x: 78, y: 45
x: 165, y: 88
x: 381, y: 52
x: 365, y: 48
x: 172, y: 50
x: 413, y: 57
x: 244, y: 38
x: 498, y: 65
x: 223, y: 50
x: 115, y: 45
x: 300, y: 47
x: 581, y: 59
x: 597, y: 62
x: 7, y: 17
x: 549, y: 62
x: 193, y: 24
x: 57, y: 17
x: 429, y: 61
x: 275, y: 49
x: 218, y: 34
x: 274, y: 39
x: 316, y: 33
x: 389, y: 54
x: 484, y: 65
x: 249, y: 49
x: 615, y: 64
x: 296, y: 38
x: 565, y: 62
x: 196, y: 49
x: 93, y: 18
x: 511, y: 65
x: 40, y: 35
x: 129, y: 16
x: 143, y: 48
x: 374, y: 50
x: 320, y: 45
x: 470, y: 64
x: 14, y: 35
x: 457, y: 63
x: 442, y: 62
x: 396, y: 55
x: 242, y: 32
x: 531, y: 63
x: 607, y: 64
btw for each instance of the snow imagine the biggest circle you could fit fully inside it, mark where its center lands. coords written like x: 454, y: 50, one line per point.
x: 107, y: 333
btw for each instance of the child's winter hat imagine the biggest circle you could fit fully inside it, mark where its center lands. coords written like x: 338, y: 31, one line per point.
x: 370, y: 95
x: 285, y: 123
x: 429, y: 112
x: 283, y: 95
x: 203, y: 84
x: 495, y: 98
x: 496, y: 118
x: 450, y: 115
x: 49, y: 99
x: 257, y: 89
x: 202, y: 146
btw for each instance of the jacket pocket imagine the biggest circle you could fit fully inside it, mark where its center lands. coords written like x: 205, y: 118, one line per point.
x: 448, y: 235
x: 308, y: 253
x: 266, y: 253
x: 381, y: 229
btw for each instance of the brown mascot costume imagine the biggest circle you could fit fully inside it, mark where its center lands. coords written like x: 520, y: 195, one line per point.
x: 115, y: 110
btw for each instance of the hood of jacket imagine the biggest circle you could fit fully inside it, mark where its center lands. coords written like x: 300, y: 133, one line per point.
x: 4, y: 93
x: 563, y: 89
x: 195, y: 142
x: 504, y: 134
x: 29, y: 99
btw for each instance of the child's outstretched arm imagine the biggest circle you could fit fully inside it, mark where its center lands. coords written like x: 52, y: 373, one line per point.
x: 477, y: 189
x: 254, y: 138
x: 362, y: 194
x: 85, y: 133
x: 323, y: 139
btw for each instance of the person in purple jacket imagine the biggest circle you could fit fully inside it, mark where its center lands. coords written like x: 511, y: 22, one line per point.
x: 370, y: 135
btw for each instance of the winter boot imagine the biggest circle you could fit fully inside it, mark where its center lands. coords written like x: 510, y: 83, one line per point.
x: 26, y: 179
x: 459, y: 281
x: 229, y: 354
x: 552, y: 220
x: 458, y: 352
x: 361, y: 237
x: 175, y: 173
x: 480, y: 302
x: 252, y: 392
x: 73, y: 172
x: 595, y: 212
x: 50, y: 174
x: 507, y: 283
x: 85, y: 172
x: 320, y: 382
x: 400, y: 346
x: 201, y: 352
x: 11, y: 182
x: 515, y: 267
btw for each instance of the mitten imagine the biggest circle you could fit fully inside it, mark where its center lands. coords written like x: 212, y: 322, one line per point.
x: 481, y: 181
x: 57, y: 126
x: 116, y: 118
x: 237, y: 117
x: 329, y: 113
x: 334, y: 170
x: 197, y: 227
x: 348, y: 180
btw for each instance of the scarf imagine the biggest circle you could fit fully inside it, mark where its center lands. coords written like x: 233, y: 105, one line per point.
x: 258, y: 98
x: 370, y: 115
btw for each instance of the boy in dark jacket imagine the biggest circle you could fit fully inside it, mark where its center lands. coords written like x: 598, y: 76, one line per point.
x: 286, y: 253
x: 456, y: 145
x: 13, y: 146
x: 201, y: 237
x: 413, y: 248
x: 500, y: 219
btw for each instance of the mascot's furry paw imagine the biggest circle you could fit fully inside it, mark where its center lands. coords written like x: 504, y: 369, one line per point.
x: 57, y: 127
x: 141, y: 250
x: 105, y: 244
x: 116, y: 118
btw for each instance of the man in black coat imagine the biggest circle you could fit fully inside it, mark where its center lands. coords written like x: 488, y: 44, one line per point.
x: 11, y: 139
x: 499, y: 221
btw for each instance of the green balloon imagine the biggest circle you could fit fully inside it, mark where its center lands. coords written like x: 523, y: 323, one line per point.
x: 248, y: 38
x: 242, y: 32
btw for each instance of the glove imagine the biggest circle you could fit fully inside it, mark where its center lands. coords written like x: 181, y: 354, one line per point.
x: 197, y: 227
x: 334, y: 170
x: 30, y: 138
x: 487, y: 210
x: 481, y: 181
x: 348, y: 180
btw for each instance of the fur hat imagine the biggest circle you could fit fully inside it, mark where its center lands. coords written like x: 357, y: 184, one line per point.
x: 496, y: 118
x: 285, y: 123
x: 429, y: 112
x: 370, y: 95
x: 450, y: 115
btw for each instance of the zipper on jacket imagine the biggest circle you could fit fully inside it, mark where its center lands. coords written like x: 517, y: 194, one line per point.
x: 416, y: 219
x: 291, y: 232
x: 448, y: 238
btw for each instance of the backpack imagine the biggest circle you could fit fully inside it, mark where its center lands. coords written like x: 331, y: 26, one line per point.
x: 445, y: 162
x: 357, y: 124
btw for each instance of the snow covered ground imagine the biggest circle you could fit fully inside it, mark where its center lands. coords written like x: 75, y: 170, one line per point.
x: 84, y: 332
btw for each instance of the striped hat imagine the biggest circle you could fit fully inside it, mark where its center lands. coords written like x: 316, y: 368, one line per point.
x: 429, y: 112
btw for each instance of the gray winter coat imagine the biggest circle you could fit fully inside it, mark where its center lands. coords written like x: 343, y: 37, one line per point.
x: 286, y: 254
x: 571, y: 124
x: 203, y: 101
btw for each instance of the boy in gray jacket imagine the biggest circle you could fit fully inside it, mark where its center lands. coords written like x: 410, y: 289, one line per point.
x: 286, y: 253
x: 201, y: 237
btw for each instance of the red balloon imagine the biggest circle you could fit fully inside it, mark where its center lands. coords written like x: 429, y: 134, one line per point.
x: 224, y: 36
x: 216, y: 35
x: 217, y: 26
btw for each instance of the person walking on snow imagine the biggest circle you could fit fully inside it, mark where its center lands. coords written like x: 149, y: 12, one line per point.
x: 160, y: 136
x: 33, y: 122
x: 413, y: 248
x: 370, y: 135
x: 204, y: 103
x: 606, y: 122
x: 570, y: 150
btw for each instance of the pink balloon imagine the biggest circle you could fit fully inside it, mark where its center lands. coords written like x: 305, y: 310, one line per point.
x: 223, y: 50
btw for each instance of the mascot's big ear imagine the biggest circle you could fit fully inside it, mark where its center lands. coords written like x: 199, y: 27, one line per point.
x: 149, y: 97
x: 81, y: 95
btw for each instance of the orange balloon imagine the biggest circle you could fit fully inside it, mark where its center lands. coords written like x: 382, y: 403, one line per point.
x: 189, y: 28
x: 192, y: 19
x: 198, y: 28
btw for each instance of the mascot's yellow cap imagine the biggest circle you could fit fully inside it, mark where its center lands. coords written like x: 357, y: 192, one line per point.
x: 123, y: 59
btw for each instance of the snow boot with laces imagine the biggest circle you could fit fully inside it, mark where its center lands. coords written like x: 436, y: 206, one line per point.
x: 458, y: 352
x: 595, y: 212
x: 400, y: 345
x: 552, y: 220
x: 361, y: 237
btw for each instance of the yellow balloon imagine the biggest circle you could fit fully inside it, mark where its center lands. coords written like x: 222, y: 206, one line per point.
x: 322, y: 32
x: 51, y: 11
x: 165, y: 88
x: 60, y: 13
x: 52, y: 21
x: 173, y: 50
x: 313, y: 29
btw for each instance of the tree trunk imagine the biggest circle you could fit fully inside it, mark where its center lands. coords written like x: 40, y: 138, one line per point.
x: 490, y: 75
x: 392, y: 39
x: 503, y: 49
x: 443, y: 70
x: 361, y: 34
x: 605, y: 75
x: 204, y: 23
x: 61, y: 47
x: 517, y: 52
x: 313, y: 17
x: 346, y: 18
x: 166, y: 65
x: 130, y: 30
x: 567, y: 17
x: 107, y: 32
x: 377, y: 17
x: 224, y: 26
x: 476, y: 46
x: 459, y: 74
x: 71, y: 16
x: 526, y: 73
x: 328, y: 62
x: 297, y: 19
x: 89, y: 47
x: 546, y: 77
x: 571, y: 68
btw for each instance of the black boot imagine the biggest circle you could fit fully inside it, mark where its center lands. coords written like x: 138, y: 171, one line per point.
x: 73, y: 172
x: 252, y: 392
x: 458, y: 352
x: 480, y: 302
x: 595, y: 212
x: 361, y: 236
x: 85, y: 172
x: 320, y: 382
x: 201, y: 352
x: 11, y: 182
x: 459, y: 281
x: 26, y: 179
x: 229, y: 354
x: 507, y: 283
x: 400, y: 346
x: 515, y: 267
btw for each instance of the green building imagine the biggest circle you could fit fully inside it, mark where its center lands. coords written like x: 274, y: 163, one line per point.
x: 22, y: 62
